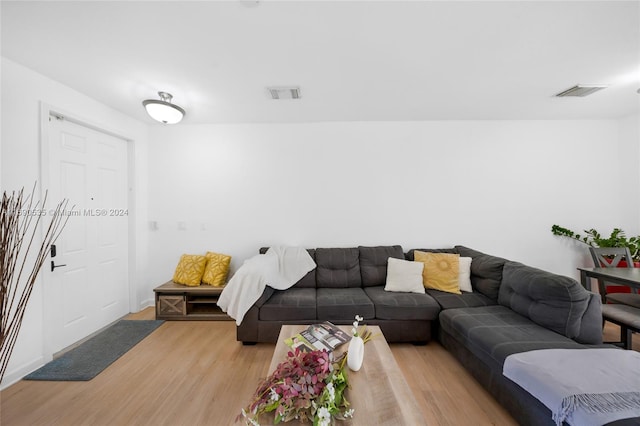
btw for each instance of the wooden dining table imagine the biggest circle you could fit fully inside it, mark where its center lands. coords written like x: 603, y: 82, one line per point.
x: 622, y: 276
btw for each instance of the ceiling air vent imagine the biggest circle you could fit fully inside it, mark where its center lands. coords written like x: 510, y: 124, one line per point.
x: 581, y: 90
x: 284, y: 92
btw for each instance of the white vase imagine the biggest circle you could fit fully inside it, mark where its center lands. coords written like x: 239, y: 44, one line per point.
x: 355, y: 354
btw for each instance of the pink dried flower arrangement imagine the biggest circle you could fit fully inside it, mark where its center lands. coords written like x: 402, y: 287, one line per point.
x: 307, y: 386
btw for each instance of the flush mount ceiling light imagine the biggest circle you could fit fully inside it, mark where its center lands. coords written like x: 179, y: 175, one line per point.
x: 581, y: 90
x: 163, y: 110
x: 284, y: 92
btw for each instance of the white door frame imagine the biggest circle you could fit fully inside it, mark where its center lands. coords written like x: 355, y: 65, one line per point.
x: 46, y: 111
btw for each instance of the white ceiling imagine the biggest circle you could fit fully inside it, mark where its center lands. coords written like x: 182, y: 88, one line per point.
x: 354, y: 61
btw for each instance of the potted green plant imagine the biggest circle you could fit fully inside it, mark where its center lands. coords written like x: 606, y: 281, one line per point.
x: 594, y: 239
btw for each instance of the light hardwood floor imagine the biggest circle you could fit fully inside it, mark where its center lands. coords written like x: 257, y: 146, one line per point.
x: 195, y: 373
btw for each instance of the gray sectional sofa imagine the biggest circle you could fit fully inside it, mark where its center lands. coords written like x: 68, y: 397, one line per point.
x: 346, y: 282
x: 519, y: 308
x: 513, y: 308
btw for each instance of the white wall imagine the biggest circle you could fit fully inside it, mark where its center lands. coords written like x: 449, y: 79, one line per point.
x: 22, y: 92
x: 630, y: 167
x: 496, y: 186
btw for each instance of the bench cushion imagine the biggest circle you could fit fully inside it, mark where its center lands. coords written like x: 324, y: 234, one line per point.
x: 291, y: 304
x: 343, y: 303
x: 402, y: 306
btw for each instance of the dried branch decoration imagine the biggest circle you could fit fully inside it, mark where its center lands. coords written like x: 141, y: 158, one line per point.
x: 20, y: 217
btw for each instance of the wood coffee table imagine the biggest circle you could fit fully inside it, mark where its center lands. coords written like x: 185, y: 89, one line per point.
x: 378, y: 393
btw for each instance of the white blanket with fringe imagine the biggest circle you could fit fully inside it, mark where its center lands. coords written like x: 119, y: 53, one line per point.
x: 580, y: 386
x: 279, y: 268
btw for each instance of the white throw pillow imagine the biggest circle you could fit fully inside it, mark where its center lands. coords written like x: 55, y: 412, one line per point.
x: 464, y: 278
x: 404, y: 276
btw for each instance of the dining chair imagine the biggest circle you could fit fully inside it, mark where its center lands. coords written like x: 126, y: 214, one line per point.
x: 622, y: 309
x: 602, y: 256
x: 610, y: 257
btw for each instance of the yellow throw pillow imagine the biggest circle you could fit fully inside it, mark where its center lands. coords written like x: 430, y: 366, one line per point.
x: 217, y: 269
x: 190, y: 269
x: 441, y: 271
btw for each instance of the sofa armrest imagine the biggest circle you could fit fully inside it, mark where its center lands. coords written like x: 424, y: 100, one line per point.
x: 247, y: 331
x: 591, y: 325
x: 553, y: 301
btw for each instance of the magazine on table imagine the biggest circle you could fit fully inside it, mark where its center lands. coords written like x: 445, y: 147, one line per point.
x: 323, y: 336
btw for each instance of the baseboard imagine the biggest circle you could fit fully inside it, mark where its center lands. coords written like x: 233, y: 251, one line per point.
x: 147, y: 303
x: 14, y: 376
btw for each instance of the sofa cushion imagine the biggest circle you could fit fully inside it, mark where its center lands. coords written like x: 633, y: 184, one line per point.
x: 337, y: 268
x: 464, y: 262
x: 441, y: 270
x: 494, y: 332
x: 266, y: 295
x: 404, y: 276
x: 373, y: 263
x: 465, y: 300
x: 217, y: 269
x: 190, y: 270
x: 343, y: 303
x: 309, y: 280
x: 291, y: 304
x: 464, y: 278
x: 410, y: 254
x: 486, y: 271
x: 402, y: 306
x: 553, y: 301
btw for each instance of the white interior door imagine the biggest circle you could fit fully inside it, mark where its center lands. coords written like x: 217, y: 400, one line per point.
x: 89, y: 168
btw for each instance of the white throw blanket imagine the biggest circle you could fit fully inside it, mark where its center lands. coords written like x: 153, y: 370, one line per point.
x: 279, y: 268
x: 580, y: 386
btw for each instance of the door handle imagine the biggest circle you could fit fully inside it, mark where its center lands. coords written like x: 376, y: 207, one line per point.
x: 54, y: 266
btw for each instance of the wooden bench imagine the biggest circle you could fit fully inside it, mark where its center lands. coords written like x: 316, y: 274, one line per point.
x: 180, y: 302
